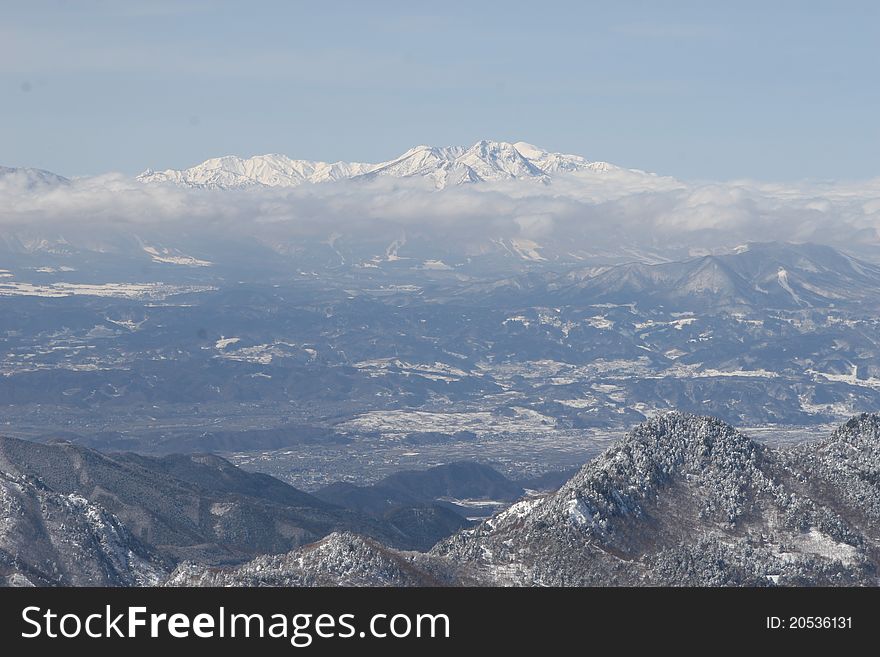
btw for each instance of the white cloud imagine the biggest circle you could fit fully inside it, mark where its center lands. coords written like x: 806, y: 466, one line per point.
x: 618, y: 208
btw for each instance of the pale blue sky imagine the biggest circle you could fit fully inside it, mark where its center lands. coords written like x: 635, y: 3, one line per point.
x: 720, y: 90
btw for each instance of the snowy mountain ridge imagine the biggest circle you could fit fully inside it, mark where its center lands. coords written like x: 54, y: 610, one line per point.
x: 484, y: 161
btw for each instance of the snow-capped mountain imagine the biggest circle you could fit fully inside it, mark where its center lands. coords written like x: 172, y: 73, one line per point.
x: 484, y: 161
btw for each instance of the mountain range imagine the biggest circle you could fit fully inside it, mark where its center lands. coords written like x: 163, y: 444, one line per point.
x: 484, y: 161
x: 681, y: 500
